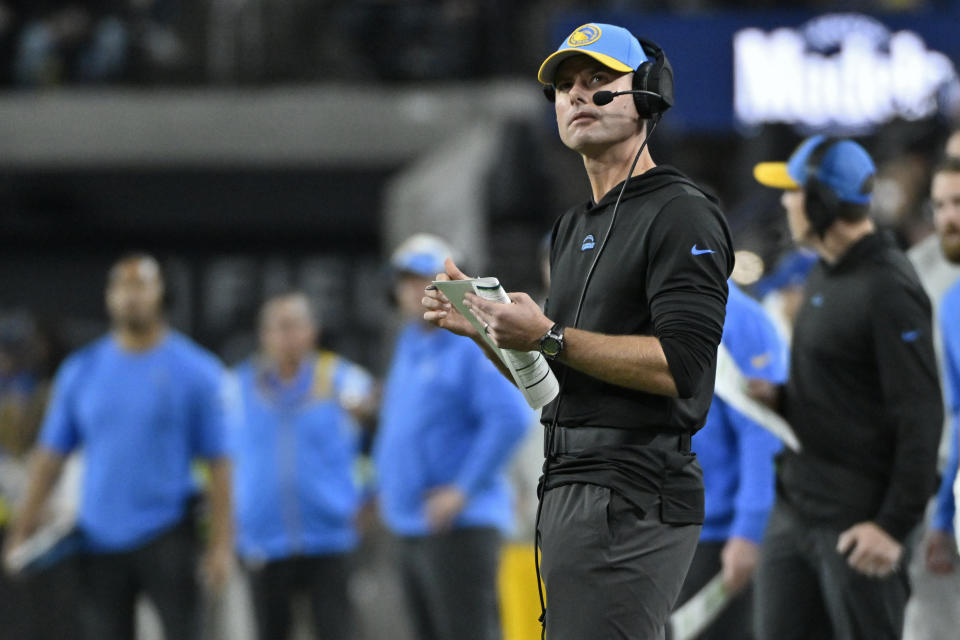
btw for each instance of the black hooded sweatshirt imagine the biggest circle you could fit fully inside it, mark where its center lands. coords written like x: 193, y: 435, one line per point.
x: 863, y: 395
x: 662, y: 273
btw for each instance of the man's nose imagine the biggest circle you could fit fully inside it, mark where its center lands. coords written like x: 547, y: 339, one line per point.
x: 579, y: 92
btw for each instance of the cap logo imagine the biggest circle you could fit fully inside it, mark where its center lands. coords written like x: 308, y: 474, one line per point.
x: 587, y: 34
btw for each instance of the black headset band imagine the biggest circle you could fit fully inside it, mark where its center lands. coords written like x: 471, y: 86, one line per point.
x: 815, y: 159
x: 650, y: 47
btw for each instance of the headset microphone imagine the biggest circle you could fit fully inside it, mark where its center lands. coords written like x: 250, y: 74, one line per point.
x: 601, y: 98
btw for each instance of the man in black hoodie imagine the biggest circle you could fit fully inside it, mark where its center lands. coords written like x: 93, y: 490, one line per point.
x: 633, y: 339
x: 864, y: 401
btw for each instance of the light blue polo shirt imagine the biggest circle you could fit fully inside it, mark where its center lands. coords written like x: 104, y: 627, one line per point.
x: 140, y: 418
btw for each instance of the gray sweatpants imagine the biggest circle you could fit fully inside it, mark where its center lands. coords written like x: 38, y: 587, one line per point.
x: 610, y: 571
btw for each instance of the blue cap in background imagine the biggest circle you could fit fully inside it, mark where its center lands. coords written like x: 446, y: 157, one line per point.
x: 845, y: 168
x: 422, y: 254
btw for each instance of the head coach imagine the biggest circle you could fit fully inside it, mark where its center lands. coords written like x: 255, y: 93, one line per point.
x: 864, y: 401
x: 633, y: 319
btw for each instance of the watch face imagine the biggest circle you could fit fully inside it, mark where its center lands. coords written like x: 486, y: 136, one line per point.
x: 550, y: 346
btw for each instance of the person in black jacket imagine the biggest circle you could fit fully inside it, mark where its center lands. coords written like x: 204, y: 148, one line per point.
x: 864, y: 401
x: 633, y: 319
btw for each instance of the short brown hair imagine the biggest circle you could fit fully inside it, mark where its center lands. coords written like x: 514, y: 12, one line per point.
x: 949, y: 164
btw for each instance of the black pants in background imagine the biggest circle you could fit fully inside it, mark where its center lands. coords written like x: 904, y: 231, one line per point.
x: 164, y: 570
x: 805, y: 589
x: 322, y: 578
x: 611, y: 571
x: 450, y: 583
x: 735, y: 622
x: 26, y: 603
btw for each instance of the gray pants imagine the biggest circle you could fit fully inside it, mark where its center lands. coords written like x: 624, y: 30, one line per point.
x: 805, y: 589
x: 610, y: 571
x: 450, y: 583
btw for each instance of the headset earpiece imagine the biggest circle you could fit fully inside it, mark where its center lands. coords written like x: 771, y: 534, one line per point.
x: 655, y: 76
x: 821, y: 205
x: 549, y: 92
x: 820, y: 201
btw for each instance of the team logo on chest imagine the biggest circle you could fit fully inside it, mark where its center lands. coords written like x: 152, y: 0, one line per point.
x: 588, y: 243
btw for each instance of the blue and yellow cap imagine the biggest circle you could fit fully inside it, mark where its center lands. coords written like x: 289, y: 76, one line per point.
x: 612, y: 46
x: 845, y: 168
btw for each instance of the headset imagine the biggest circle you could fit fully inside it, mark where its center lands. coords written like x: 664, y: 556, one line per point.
x: 652, y: 83
x: 821, y: 203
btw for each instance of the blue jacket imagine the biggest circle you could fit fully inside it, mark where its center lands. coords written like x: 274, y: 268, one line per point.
x: 295, y: 447
x: 736, y: 453
x: 950, y: 325
x: 448, y: 417
x: 140, y: 419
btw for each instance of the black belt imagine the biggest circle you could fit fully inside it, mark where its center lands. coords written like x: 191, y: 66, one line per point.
x: 577, y: 439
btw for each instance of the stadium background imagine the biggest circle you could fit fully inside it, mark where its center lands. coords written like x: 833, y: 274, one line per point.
x: 258, y: 144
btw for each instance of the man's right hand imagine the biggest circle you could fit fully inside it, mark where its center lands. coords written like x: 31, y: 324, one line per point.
x: 16, y: 536
x: 739, y: 560
x: 871, y: 550
x: 439, y: 310
x: 940, y: 552
x: 45, y: 468
x: 765, y: 392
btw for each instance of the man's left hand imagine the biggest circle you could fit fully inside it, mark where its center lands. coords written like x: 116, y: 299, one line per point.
x: 443, y: 506
x: 873, y: 551
x: 216, y: 568
x: 739, y: 560
x: 518, y: 325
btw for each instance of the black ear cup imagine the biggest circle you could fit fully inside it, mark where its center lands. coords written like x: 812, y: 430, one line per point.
x: 821, y: 205
x: 820, y: 201
x: 655, y: 76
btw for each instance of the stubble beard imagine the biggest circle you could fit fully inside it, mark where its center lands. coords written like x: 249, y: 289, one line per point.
x: 951, y: 247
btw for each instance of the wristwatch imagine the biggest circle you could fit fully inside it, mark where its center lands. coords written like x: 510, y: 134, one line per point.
x: 551, y: 344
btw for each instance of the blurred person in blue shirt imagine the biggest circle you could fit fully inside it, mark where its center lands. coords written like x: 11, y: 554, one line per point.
x: 737, y: 456
x: 449, y: 424
x: 295, y: 450
x: 141, y: 403
x: 940, y: 544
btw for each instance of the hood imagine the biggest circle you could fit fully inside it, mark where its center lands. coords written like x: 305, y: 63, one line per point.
x: 656, y: 178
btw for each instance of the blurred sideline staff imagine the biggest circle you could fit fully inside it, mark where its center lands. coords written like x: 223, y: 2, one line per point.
x: 737, y: 455
x: 140, y: 403
x: 941, y: 545
x: 295, y: 449
x: 449, y: 425
x: 864, y: 400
